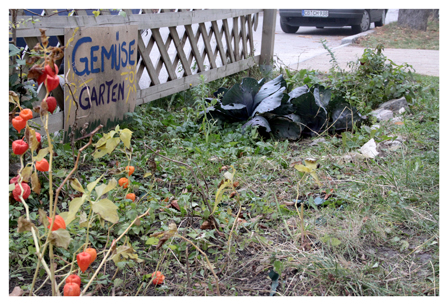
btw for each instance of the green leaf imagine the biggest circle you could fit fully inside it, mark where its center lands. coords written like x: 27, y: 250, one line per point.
x: 103, y: 188
x: 100, y: 152
x: 302, y: 168
x: 335, y: 242
x: 220, y: 192
x: 125, y: 136
x: 76, y: 185
x: 73, y: 208
x: 152, y: 241
x: 92, y: 185
x: 42, y: 153
x: 13, y: 50
x: 111, y: 144
x: 106, y: 209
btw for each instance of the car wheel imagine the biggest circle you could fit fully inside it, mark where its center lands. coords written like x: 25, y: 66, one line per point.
x: 383, y: 19
x: 365, y: 23
x: 287, y: 28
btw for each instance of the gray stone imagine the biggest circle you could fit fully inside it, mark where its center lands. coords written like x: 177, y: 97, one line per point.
x: 395, y: 105
x: 382, y: 114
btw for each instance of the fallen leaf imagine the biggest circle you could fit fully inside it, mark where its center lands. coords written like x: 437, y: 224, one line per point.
x: 24, y: 225
x: 17, y: 292
x: 165, y: 235
x: 206, y: 225
x: 329, y: 194
x: 175, y: 205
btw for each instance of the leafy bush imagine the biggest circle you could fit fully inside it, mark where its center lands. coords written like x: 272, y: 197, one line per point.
x: 304, y: 110
x: 375, y: 80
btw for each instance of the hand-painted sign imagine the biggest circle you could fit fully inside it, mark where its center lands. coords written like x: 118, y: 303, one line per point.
x: 100, y: 66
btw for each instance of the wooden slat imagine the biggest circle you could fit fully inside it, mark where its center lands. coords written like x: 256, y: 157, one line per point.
x: 219, y: 44
x: 151, y: 20
x: 251, y: 36
x: 236, y: 39
x: 164, y: 56
x: 55, y: 24
x: 55, y: 123
x: 267, y: 43
x: 191, y: 56
x: 148, y: 63
x: 178, y: 85
x: 229, y: 49
x: 147, y: 51
x: 180, y: 51
x: 243, y: 35
x: 194, y: 47
x: 208, y: 47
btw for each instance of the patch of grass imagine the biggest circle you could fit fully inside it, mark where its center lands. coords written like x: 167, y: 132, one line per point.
x: 395, y: 37
x: 376, y: 234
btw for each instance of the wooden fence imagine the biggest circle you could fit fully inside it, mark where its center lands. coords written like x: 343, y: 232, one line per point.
x: 213, y: 43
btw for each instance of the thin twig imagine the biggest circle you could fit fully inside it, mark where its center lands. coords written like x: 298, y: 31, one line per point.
x: 110, y: 249
x: 208, y: 262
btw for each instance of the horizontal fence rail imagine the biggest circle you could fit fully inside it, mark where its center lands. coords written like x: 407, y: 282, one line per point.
x: 175, y: 47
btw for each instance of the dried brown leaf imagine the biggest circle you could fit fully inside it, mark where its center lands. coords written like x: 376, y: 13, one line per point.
x: 17, y: 292
x: 24, y: 225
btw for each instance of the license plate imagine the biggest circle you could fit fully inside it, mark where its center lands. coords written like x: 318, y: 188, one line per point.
x: 314, y: 13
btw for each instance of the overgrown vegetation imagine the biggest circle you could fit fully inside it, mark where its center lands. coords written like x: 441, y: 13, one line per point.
x: 222, y: 212
x: 393, y: 36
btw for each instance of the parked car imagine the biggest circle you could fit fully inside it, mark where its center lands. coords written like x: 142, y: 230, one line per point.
x: 359, y: 20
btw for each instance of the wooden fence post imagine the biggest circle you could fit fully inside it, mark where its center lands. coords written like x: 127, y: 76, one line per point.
x: 267, y: 40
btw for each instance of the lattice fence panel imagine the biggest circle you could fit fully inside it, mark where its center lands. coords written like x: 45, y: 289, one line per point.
x: 175, y: 47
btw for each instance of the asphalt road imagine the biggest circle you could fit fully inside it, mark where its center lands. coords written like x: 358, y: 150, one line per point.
x: 306, y: 43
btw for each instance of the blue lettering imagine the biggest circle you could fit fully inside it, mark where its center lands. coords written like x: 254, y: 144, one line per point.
x: 94, y: 59
x: 121, y: 90
x: 84, y: 107
x: 131, y: 62
x: 125, y: 62
x: 93, y: 96
x: 109, y: 55
x: 83, y: 60
x: 101, y: 98
x: 108, y: 90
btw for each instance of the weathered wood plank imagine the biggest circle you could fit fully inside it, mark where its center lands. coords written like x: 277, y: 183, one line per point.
x: 55, y: 24
x: 178, y: 85
x: 229, y: 49
x: 208, y: 47
x: 55, y: 123
x: 236, y: 39
x: 267, y: 43
x: 251, y: 36
x: 164, y: 54
x: 180, y: 51
x: 147, y: 62
x: 243, y: 35
x: 219, y: 44
x: 194, y: 47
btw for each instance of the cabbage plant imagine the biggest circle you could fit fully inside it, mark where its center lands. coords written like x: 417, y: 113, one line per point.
x: 304, y: 110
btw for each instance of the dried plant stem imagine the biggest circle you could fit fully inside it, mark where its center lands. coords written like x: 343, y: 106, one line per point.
x: 235, y: 223
x: 208, y: 262
x: 110, y: 249
x: 301, y: 210
x: 201, y: 190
